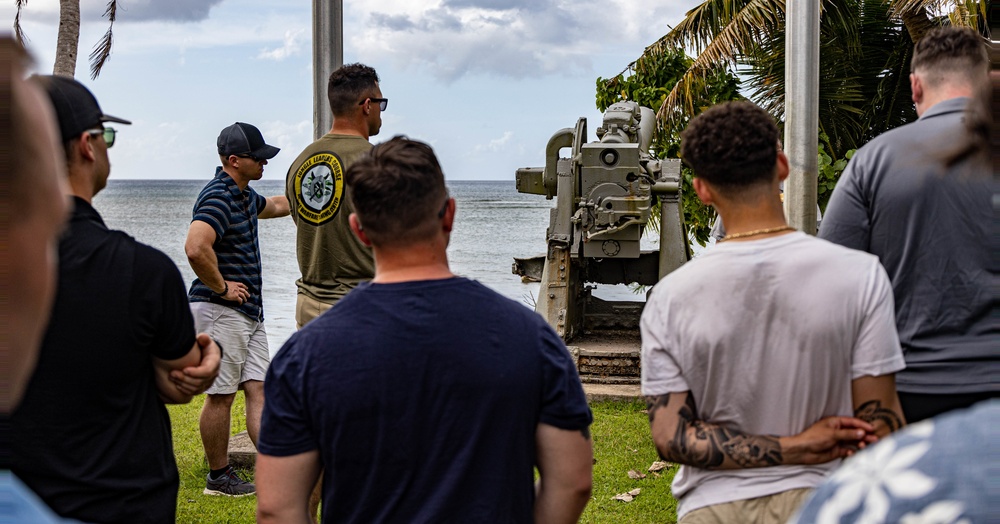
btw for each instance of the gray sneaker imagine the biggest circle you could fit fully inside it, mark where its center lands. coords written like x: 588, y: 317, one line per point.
x: 230, y: 485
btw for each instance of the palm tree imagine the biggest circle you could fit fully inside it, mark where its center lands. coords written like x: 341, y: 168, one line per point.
x: 864, y: 58
x: 865, y: 53
x: 647, y: 81
x: 68, y: 40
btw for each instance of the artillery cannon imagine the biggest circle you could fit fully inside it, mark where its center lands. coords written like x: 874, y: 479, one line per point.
x: 605, y: 192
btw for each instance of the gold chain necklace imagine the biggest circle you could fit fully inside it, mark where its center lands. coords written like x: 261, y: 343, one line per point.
x: 756, y: 232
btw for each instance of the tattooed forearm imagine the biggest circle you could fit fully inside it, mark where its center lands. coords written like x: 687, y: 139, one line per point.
x: 710, y: 446
x: 872, y: 412
x: 654, y: 403
x: 695, y: 445
x: 751, y: 451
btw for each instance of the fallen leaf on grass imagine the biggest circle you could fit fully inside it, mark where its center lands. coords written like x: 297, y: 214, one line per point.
x: 627, y: 497
x: 656, y: 475
x: 659, y: 465
x: 635, y: 475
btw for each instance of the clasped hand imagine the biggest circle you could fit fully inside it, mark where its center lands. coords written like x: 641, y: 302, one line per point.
x: 829, y: 439
x: 194, y: 380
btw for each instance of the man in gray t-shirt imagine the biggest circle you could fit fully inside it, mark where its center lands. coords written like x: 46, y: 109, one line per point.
x: 756, y: 354
x: 934, y: 230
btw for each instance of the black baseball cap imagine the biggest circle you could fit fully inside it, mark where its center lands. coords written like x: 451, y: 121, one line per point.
x: 76, y: 108
x: 244, y: 139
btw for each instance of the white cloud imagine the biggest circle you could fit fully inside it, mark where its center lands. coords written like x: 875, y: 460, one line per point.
x: 485, y: 81
x: 496, y: 144
x: 271, y: 28
x: 173, y: 10
x: 128, y: 10
x: 290, y: 137
x: 518, y: 39
x: 292, y: 46
x: 168, y: 142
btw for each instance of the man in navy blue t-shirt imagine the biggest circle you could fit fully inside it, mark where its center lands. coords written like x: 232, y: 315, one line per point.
x: 425, y: 397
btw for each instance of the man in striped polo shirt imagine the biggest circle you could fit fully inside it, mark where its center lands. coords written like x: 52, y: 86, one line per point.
x: 226, y: 298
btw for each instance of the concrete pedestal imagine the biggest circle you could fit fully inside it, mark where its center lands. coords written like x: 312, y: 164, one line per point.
x: 242, y: 453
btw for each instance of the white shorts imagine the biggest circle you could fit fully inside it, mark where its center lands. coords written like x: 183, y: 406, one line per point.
x: 245, y: 354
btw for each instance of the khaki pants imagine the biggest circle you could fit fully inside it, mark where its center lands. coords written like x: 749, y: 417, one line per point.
x: 307, y: 309
x: 776, y: 509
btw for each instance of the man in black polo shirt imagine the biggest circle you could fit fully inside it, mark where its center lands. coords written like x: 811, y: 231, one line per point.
x: 226, y: 297
x: 92, y: 436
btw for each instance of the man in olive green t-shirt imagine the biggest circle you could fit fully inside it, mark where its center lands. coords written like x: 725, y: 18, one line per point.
x: 331, y: 259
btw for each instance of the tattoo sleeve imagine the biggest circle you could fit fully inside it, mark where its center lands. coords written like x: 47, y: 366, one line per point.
x: 711, y: 446
x: 873, y: 412
x: 654, y: 403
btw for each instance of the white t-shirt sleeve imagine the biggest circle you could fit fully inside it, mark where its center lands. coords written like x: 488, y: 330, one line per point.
x: 877, y: 350
x: 661, y: 373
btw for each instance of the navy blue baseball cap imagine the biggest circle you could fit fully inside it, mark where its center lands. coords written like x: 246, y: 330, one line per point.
x: 76, y: 108
x: 244, y: 139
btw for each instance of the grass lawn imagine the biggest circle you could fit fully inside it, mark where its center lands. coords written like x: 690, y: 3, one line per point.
x: 621, y: 443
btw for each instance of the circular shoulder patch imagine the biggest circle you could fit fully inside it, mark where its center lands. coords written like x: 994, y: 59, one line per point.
x: 319, y: 188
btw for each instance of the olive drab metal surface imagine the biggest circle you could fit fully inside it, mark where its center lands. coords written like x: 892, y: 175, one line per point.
x: 605, y: 193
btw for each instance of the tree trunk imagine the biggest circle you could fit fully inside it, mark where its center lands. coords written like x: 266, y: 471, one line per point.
x: 917, y: 23
x: 69, y: 38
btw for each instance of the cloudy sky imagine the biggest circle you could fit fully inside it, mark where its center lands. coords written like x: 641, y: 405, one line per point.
x: 486, y: 82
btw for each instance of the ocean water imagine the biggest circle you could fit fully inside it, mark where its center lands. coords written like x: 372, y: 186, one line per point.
x: 493, y: 224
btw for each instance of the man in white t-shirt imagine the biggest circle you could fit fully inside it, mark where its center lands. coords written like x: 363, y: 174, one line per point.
x: 756, y: 354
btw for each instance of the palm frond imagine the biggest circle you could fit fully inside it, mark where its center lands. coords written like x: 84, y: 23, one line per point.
x: 102, y: 51
x: 19, y: 35
x: 704, y: 23
x: 742, y: 30
x: 966, y: 13
x: 892, y: 104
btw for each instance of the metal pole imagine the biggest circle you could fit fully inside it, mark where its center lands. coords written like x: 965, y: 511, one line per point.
x: 802, y: 112
x: 328, y: 55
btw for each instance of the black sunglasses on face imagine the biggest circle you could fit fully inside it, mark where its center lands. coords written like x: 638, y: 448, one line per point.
x: 382, y: 102
x: 251, y: 157
x: 108, y: 133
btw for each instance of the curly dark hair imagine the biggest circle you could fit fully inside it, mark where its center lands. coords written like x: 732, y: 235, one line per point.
x: 731, y: 145
x: 398, y: 192
x: 945, y: 53
x: 348, y: 85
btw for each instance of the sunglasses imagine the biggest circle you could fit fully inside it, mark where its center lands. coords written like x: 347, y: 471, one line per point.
x: 382, y: 102
x: 251, y: 157
x: 108, y: 133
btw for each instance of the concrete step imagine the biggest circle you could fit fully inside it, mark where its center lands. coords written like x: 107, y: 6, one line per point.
x: 242, y: 453
x: 607, y: 357
x: 611, y: 392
